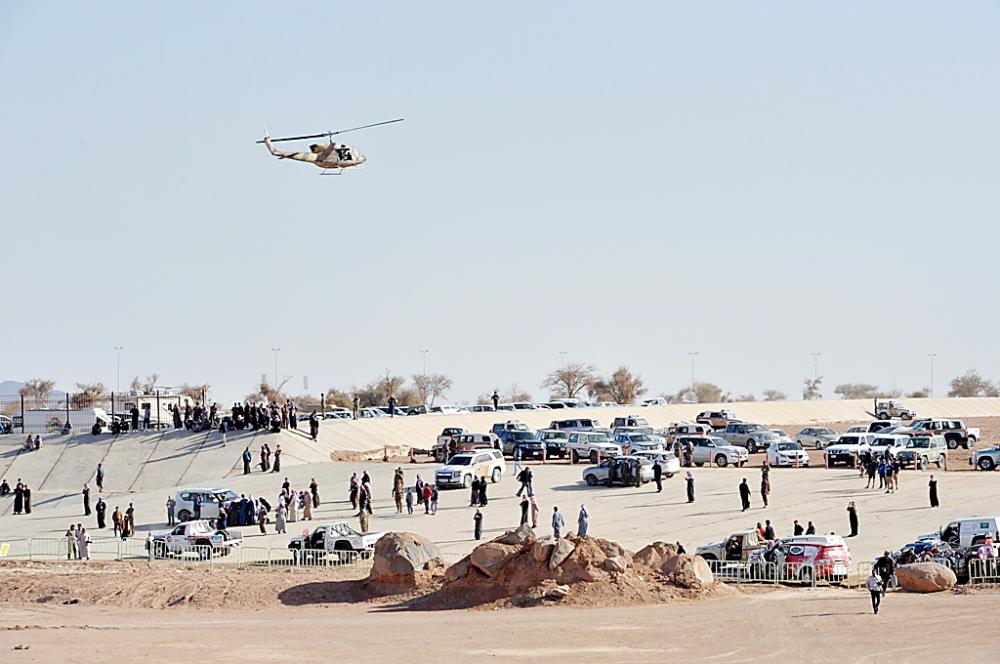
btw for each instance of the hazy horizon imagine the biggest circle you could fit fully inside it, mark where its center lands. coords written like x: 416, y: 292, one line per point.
x: 755, y: 182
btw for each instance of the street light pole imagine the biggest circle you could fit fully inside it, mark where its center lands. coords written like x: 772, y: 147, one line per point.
x: 424, y: 353
x: 816, y: 365
x: 692, y: 355
x: 563, y: 354
x: 932, y: 356
x: 276, y: 351
x: 118, y: 369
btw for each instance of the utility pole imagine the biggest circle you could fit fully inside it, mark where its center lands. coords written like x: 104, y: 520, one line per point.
x: 816, y: 365
x: 424, y: 353
x: 118, y: 370
x: 692, y: 355
x: 276, y: 351
x: 932, y: 356
x: 563, y: 354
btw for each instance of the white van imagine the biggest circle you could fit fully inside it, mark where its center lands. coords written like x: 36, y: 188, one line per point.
x: 970, y: 531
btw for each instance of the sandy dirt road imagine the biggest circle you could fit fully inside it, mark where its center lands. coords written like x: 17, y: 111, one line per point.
x: 760, y: 626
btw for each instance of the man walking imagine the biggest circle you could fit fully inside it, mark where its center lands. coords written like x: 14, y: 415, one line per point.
x: 852, y: 515
x: 875, y: 588
x: 477, y: 527
x: 247, y: 458
x: 745, y: 494
x: 100, y: 478
x: 392, y: 406
x: 583, y: 522
x: 525, y: 477
x: 932, y: 487
x: 885, y: 568
x: 170, y: 510
x: 765, y: 484
x: 690, y: 487
x: 558, y: 523
x: 496, y: 400
x: 101, y: 507
x: 658, y: 475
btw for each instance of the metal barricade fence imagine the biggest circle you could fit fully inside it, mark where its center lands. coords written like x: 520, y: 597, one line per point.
x: 17, y: 548
x: 766, y: 572
x: 983, y: 570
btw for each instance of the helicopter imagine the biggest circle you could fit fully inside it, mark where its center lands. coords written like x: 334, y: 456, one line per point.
x: 336, y: 157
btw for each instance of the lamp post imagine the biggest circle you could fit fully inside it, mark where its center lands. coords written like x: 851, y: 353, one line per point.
x: 932, y: 356
x: 816, y: 365
x: 563, y: 354
x: 424, y: 353
x: 692, y: 355
x: 276, y: 351
x: 118, y: 369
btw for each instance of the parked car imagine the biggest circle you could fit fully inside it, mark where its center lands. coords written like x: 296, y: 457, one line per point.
x: 655, y: 401
x: 848, y: 449
x: 717, y: 419
x: 529, y: 444
x: 629, y: 421
x: 592, y: 445
x: 687, y: 429
x: 371, y: 412
x: 337, y: 536
x: 787, y: 453
x: 736, y: 548
x: 712, y: 449
x: 482, y: 408
x: 955, y: 432
x: 576, y: 424
x: 885, y: 444
x: 449, y: 410
x: 889, y: 408
x: 210, y: 498
x: 802, y: 558
x: 857, y: 428
x: 464, y: 466
x: 970, y: 531
x: 883, y: 425
x: 461, y: 441
x: 986, y: 459
x: 619, y: 471
x: 508, y: 407
x: 555, y: 442
x: 199, y: 537
x: 752, y: 436
x: 922, y: 451
x: 524, y: 405
x: 632, y: 443
x: 818, y: 437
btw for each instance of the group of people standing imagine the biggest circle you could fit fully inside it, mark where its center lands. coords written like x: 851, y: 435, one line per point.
x: 265, y: 415
x: 269, y: 461
x: 22, y: 496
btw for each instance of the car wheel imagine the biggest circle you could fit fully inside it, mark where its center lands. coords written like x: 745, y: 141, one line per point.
x: 574, y: 457
x: 970, y: 442
x: 819, y: 445
x: 467, y: 481
x: 986, y: 463
x: 751, y: 447
x: 952, y: 444
x: 940, y: 461
x: 591, y: 480
x: 593, y: 456
x: 922, y: 464
x: 184, y: 515
x: 699, y: 463
x: 883, y: 416
x: 721, y: 461
x: 905, y: 416
x: 495, y: 475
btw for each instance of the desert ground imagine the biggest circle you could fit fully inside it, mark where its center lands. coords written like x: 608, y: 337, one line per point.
x: 140, y: 613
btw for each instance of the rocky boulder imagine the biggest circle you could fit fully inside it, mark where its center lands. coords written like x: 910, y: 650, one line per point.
x: 688, y: 571
x: 541, y: 551
x: 523, y: 537
x: 490, y: 557
x: 398, y: 557
x: 561, y: 550
x: 925, y: 577
x: 655, y: 554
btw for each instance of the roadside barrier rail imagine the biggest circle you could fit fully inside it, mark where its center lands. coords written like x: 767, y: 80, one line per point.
x: 983, y: 571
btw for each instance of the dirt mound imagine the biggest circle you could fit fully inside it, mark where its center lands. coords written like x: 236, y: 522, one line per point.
x: 518, y: 569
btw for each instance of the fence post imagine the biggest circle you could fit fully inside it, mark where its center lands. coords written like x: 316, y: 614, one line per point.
x: 22, y: 413
x: 157, y: 410
x: 67, y: 408
x: 30, y: 549
x: 322, y: 402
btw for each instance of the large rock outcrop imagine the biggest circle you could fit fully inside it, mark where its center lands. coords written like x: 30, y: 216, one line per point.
x: 399, y: 559
x: 925, y: 577
x: 689, y: 571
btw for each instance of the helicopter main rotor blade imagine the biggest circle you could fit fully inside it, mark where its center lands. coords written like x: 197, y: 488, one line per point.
x: 331, y: 133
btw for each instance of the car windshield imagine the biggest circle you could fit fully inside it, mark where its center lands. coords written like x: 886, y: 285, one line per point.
x: 460, y: 461
x: 848, y: 440
x: 919, y: 442
x: 783, y: 447
x: 824, y: 432
x: 599, y: 438
x: 882, y: 442
x: 754, y: 428
x: 640, y: 438
x: 718, y: 441
x: 522, y: 435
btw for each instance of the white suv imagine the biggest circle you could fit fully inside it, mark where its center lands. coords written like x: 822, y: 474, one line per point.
x: 464, y: 466
x: 210, y: 501
x: 593, y: 445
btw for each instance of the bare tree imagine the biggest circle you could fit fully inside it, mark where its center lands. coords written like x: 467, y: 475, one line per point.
x: 623, y: 386
x: 972, y: 385
x: 774, y: 395
x: 431, y: 386
x: 388, y: 385
x: 337, y: 397
x: 194, y: 392
x: 857, y: 391
x: 570, y: 380
x: 922, y: 393
x: 517, y: 394
x: 87, y: 395
x: 811, y: 388
x: 37, y: 389
x: 703, y: 392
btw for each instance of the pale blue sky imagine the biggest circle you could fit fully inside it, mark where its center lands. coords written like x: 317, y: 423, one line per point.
x: 627, y: 182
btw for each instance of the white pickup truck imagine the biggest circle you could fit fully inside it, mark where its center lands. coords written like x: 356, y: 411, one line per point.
x: 338, y: 537
x: 197, y: 538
